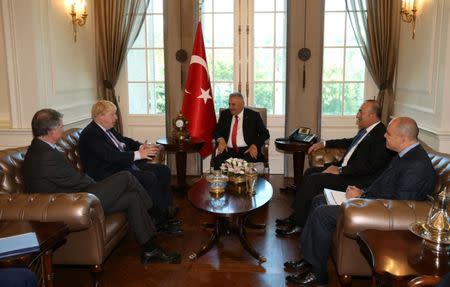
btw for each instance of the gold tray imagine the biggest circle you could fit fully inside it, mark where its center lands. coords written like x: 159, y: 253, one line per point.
x: 422, y: 230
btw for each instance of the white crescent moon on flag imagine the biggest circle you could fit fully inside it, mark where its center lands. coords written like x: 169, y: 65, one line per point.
x: 199, y: 60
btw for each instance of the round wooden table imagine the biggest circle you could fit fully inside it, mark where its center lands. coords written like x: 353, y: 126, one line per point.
x: 181, y: 148
x: 401, y: 255
x: 231, y: 211
x: 298, y: 150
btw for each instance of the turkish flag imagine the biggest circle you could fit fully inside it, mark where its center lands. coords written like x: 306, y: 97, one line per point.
x: 198, y: 103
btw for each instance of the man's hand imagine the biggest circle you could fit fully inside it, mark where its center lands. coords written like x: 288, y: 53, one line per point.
x: 253, y: 151
x: 332, y: 169
x: 222, y: 145
x: 315, y: 147
x: 352, y: 192
x: 148, y: 150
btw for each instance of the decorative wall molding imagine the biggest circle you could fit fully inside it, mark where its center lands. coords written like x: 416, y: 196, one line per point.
x: 438, y: 140
x: 10, y: 138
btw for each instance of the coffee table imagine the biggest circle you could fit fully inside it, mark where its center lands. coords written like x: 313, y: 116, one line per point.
x: 231, y: 211
x: 50, y: 235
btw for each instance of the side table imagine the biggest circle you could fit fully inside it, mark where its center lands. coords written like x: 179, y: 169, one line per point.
x: 298, y: 150
x: 50, y: 235
x: 401, y: 255
x: 181, y: 148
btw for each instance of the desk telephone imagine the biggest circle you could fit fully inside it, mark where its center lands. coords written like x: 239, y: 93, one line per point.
x: 302, y: 134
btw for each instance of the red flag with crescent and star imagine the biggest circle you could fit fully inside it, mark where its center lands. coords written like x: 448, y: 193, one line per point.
x: 198, y: 103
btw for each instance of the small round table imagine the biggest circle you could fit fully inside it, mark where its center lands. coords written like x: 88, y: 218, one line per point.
x: 231, y: 211
x: 401, y: 255
x: 50, y: 235
x: 181, y: 148
x: 298, y: 149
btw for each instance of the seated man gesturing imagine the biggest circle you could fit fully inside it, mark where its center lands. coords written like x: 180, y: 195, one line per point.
x: 104, y: 151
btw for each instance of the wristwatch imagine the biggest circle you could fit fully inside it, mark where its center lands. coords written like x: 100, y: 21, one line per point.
x: 340, y: 169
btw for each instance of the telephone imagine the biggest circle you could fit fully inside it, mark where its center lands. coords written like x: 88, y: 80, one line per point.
x: 302, y: 134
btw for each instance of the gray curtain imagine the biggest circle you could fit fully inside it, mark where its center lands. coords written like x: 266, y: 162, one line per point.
x: 376, y: 24
x: 117, y: 24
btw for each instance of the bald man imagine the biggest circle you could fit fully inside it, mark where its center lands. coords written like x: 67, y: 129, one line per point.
x: 409, y: 176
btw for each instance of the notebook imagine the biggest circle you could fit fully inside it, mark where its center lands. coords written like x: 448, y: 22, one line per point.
x: 18, y: 244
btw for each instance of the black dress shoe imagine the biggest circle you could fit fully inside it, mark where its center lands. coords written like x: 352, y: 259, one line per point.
x: 289, y: 231
x: 285, y: 221
x: 170, y: 229
x: 300, y: 265
x: 304, y: 279
x: 159, y: 255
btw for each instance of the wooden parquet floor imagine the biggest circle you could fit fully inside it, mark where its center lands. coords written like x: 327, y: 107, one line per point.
x: 226, y: 265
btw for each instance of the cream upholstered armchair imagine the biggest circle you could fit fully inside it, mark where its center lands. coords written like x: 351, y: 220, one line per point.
x: 360, y: 214
x: 264, y: 166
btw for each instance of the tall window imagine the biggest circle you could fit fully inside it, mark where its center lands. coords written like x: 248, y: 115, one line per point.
x: 343, y: 66
x: 146, y: 65
x: 245, y: 44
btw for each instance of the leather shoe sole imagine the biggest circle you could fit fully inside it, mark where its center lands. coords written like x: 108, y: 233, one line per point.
x: 304, y: 279
x: 300, y: 265
x: 292, y: 230
x: 159, y: 255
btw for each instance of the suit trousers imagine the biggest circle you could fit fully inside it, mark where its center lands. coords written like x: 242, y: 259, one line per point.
x: 122, y: 192
x: 17, y: 277
x: 314, y: 181
x: 156, y: 180
x: 316, y: 237
x: 226, y: 154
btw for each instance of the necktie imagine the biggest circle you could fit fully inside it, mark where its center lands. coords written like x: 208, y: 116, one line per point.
x: 115, y: 140
x: 358, y: 136
x: 234, y: 133
x: 120, y: 147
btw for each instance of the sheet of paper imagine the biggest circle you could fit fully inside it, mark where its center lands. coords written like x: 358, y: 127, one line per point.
x: 334, y: 197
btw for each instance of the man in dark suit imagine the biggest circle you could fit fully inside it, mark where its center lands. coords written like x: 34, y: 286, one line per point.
x: 240, y: 132
x: 363, y: 162
x: 104, y: 151
x: 409, y: 176
x: 46, y: 170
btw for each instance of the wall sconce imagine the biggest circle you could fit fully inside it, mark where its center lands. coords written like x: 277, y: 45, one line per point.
x: 408, y: 13
x: 78, y: 14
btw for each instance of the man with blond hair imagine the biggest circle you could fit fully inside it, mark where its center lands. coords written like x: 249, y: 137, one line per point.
x: 104, y: 151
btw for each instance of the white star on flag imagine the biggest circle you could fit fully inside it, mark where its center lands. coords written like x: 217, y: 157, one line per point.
x: 204, y: 95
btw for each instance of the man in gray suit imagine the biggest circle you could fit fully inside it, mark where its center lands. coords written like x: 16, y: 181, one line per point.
x: 46, y: 170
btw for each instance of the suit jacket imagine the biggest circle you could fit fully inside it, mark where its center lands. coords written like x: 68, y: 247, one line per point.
x: 100, y: 156
x: 253, y: 128
x: 46, y: 170
x: 411, y: 177
x: 370, y: 157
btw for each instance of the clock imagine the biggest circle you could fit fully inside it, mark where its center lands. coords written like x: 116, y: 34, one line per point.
x: 180, y: 130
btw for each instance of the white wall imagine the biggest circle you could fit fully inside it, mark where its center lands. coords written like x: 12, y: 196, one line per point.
x: 4, y: 99
x: 422, y: 85
x: 45, y: 67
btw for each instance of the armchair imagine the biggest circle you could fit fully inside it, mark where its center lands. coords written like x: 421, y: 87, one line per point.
x: 359, y: 214
x: 264, y: 148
